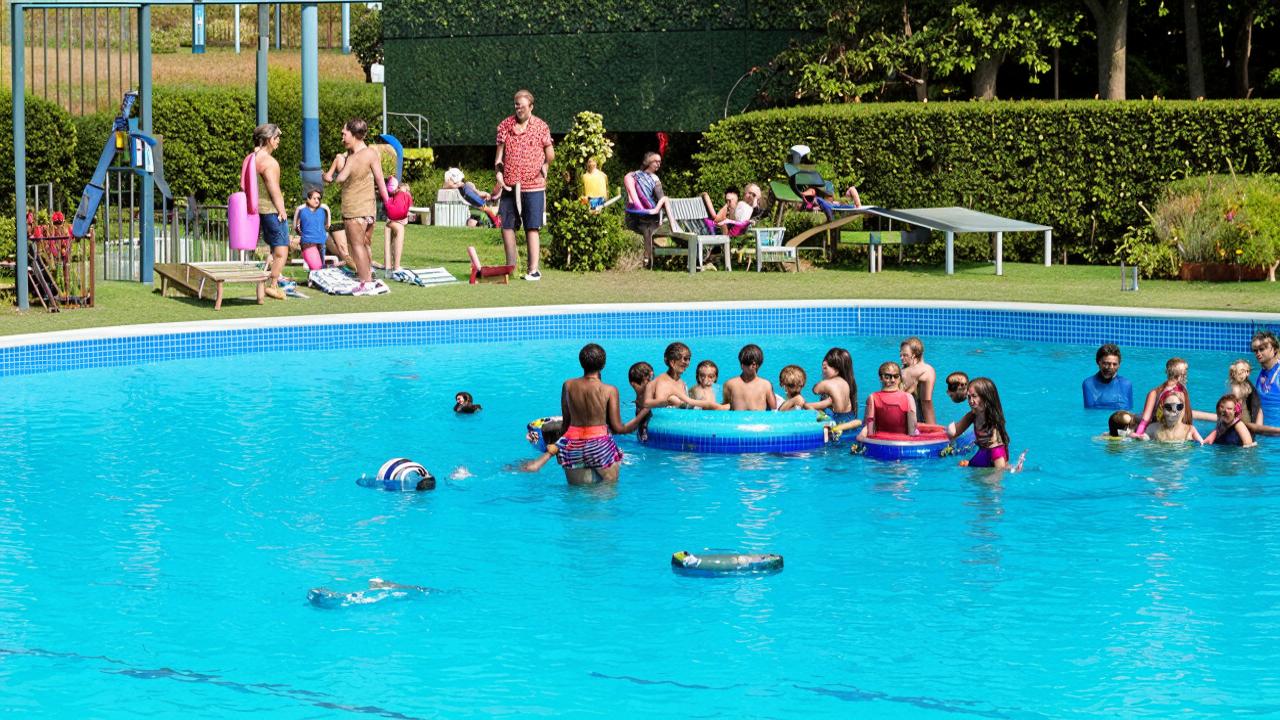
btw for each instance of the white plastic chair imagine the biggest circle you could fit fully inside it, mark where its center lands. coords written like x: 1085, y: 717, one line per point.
x: 769, y: 247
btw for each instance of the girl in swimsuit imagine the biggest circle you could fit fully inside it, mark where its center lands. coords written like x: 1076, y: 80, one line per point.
x: 1171, y: 422
x: 1175, y: 371
x: 1231, y: 428
x: 987, y: 417
x: 838, y: 389
x: 890, y: 409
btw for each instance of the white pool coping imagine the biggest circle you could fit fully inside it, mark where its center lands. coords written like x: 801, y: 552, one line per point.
x: 413, y: 316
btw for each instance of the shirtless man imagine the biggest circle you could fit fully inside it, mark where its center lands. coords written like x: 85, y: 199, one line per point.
x: 918, y: 377
x: 361, y: 174
x: 590, y: 411
x: 272, y: 215
x: 749, y: 391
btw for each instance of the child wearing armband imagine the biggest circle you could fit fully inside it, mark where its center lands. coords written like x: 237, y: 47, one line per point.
x: 552, y: 431
x: 1231, y: 428
x: 987, y: 417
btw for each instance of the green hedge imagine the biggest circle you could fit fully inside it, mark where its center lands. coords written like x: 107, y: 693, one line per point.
x: 207, y: 132
x: 487, y: 18
x: 51, y: 141
x: 1080, y: 166
x: 639, y: 81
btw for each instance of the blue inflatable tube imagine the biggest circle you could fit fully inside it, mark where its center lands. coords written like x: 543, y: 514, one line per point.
x: 726, y: 431
x: 932, y: 442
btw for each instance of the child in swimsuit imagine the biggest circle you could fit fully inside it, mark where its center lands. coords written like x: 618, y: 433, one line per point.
x: 838, y: 389
x: 464, y: 404
x: 1120, y: 425
x: 706, y: 390
x: 986, y: 414
x: 1171, y: 425
x: 890, y: 409
x: 792, y: 379
x: 589, y: 408
x: 1175, y: 371
x: 1231, y: 428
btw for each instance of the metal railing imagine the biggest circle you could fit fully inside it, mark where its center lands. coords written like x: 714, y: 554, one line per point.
x: 414, y: 121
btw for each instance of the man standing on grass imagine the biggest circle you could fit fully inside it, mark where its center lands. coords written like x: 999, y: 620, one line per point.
x: 360, y: 178
x: 523, y: 162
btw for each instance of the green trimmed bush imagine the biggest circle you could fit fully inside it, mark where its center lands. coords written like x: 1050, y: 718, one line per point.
x: 8, y: 237
x: 579, y: 239
x: 1081, y: 167
x: 51, y: 157
x: 647, y: 65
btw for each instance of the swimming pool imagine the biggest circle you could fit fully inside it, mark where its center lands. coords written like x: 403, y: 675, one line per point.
x: 162, y: 524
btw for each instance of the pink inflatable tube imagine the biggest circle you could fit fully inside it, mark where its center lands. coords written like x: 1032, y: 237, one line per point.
x: 242, y: 220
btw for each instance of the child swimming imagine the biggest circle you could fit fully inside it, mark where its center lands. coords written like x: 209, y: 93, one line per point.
x: 1121, y: 424
x: 639, y: 376
x: 792, y: 379
x: 1171, y: 423
x: 1231, y: 428
x: 986, y: 414
x: 838, y: 389
x: 464, y: 404
x: 669, y: 388
x: 1175, y: 371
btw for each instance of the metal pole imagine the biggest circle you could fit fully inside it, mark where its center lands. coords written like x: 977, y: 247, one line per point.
x: 20, y: 148
x: 148, y: 237
x: 346, y: 28
x: 1048, y: 248
x: 951, y: 252
x: 279, y: 18
x: 311, y: 178
x: 237, y: 31
x: 264, y: 37
x: 999, y: 253
x: 197, y: 28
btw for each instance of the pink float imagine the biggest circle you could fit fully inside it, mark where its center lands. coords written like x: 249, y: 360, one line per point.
x: 242, y: 220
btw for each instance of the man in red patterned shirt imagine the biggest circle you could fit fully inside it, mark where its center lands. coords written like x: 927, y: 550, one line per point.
x: 523, y: 162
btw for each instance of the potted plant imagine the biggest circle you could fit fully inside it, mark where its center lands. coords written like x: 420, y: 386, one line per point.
x: 1206, y: 220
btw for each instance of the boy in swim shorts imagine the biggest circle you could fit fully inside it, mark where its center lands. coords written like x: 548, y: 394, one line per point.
x: 589, y: 408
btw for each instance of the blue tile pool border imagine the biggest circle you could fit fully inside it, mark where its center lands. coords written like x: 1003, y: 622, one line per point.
x: 1058, y: 324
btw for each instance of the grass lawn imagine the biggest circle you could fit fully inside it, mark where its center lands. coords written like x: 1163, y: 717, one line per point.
x: 130, y: 303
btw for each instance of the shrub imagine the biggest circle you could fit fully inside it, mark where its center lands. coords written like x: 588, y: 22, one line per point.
x: 417, y: 163
x: 1262, y: 218
x: 1206, y: 219
x: 579, y: 239
x: 1154, y: 259
x: 1078, y: 166
x: 51, y: 157
x: 166, y: 42
x: 8, y: 237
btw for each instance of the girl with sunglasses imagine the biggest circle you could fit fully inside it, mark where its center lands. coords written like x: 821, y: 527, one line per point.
x: 1175, y: 372
x: 1172, y: 420
x: 890, y: 409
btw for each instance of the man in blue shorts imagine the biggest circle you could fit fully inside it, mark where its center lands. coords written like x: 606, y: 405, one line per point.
x: 522, y: 163
x: 1105, y: 389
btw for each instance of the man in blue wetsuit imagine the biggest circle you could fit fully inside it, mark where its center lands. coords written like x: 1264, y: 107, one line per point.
x: 1267, y: 351
x: 1106, y: 390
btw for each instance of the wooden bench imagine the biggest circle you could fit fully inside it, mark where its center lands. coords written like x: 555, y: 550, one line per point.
x: 206, y: 280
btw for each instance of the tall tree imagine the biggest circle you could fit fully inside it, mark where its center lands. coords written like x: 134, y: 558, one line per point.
x: 987, y: 33
x: 1195, y: 54
x: 1112, y: 20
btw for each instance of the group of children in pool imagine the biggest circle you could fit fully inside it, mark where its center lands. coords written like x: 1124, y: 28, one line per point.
x: 590, y: 407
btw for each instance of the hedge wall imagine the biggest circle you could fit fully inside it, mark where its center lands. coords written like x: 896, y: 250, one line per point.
x: 1081, y: 167
x: 51, y: 141
x: 644, y: 64
x: 639, y: 82
x: 208, y: 131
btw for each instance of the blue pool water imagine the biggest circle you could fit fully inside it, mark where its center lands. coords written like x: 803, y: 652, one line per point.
x: 160, y: 526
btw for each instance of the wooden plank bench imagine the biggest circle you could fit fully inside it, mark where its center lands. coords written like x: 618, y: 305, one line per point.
x: 206, y: 280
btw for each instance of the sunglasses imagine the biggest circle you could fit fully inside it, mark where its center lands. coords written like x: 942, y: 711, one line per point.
x: 890, y: 376
x: 1173, y: 407
x: 957, y: 386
